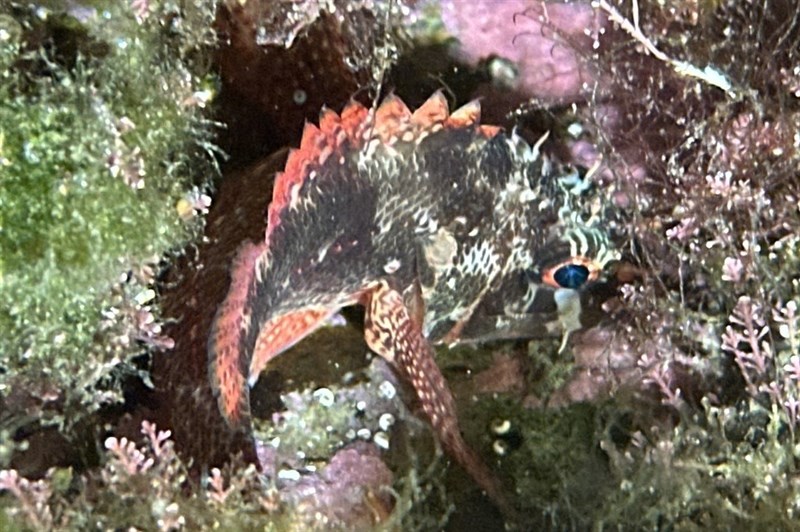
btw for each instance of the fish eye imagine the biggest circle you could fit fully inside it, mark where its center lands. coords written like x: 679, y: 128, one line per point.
x: 572, y: 273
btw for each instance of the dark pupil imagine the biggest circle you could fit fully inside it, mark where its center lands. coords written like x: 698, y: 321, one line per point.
x: 571, y: 275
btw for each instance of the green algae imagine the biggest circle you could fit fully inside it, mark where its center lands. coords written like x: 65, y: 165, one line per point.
x: 102, y: 135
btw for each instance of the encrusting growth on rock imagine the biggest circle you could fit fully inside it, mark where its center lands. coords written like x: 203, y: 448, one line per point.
x: 444, y: 229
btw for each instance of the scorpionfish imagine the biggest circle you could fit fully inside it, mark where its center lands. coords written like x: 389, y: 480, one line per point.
x: 444, y: 229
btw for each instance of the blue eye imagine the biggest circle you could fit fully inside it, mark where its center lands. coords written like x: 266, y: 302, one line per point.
x: 571, y: 276
x: 572, y: 273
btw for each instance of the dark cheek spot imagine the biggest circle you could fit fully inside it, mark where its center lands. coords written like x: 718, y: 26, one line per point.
x: 571, y: 276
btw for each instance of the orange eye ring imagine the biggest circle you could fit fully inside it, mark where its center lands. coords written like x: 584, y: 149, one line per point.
x: 572, y: 273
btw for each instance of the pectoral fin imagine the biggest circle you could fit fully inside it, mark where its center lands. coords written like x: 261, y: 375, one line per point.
x: 391, y: 332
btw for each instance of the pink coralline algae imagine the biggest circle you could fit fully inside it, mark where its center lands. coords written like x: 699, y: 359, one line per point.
x: 542, y: 39
x: 551, y: 46
x: 347, y: 490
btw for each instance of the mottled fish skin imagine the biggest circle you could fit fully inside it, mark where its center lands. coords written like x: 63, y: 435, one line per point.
x: 445, y: 229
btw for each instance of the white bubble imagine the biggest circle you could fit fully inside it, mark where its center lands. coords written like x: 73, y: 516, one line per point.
x: 300, y: 97
x: 324, y: 396
x: 289, y: 474
x: 386, y: 421
x: 387, y: 390
x: 501, y: 426
x: 381, y: 440
x: 500, y: 447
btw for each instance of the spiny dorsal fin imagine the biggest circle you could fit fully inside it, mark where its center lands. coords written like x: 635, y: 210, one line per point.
x: 356, y: 125
x: 316, y: 145
x: 433, y: 111
x: 466, y: 115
